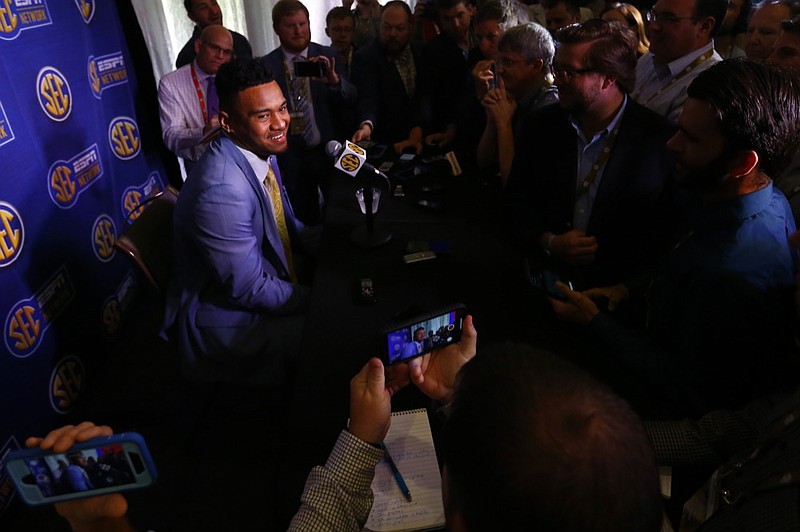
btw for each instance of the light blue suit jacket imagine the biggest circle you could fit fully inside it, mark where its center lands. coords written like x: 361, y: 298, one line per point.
x: 230, y: 269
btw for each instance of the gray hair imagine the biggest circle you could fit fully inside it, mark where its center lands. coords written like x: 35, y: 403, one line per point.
x: 531, y: 41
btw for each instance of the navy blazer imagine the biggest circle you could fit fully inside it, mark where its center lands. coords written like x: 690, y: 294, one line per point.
x: 326, y: 98
x: 382, y: 97
x: 631, y: 213
x: 229, y: 264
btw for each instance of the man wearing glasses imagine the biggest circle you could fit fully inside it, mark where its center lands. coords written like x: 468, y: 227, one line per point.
x: 585, y: 190
x: 206, y: 13
x: 681, y: 47
x: 187, y: 97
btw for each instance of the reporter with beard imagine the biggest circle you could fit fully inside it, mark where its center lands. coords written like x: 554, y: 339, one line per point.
x: 720, y: 306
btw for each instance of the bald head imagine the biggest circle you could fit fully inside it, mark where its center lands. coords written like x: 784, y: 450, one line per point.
x: 214, y: 48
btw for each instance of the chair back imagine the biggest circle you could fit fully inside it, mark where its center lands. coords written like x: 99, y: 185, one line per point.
x: 148, y: 240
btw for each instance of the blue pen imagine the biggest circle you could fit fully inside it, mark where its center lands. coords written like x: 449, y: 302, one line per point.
x: 397, y: 476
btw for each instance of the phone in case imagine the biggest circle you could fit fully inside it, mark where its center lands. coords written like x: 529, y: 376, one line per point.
x: 95, y: 467
x: 422, y: 334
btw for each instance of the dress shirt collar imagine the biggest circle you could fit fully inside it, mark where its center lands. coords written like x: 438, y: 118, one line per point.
x: 733, y: 212
x: 608, y: 129
x: 288, y: 56
x: 672, y: 68
x: 201, y: 74
x: 258, y: 164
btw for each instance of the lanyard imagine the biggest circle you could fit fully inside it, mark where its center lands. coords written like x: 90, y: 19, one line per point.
x: 694, y: 64
x: 602, y: 159
x: 200, y: 97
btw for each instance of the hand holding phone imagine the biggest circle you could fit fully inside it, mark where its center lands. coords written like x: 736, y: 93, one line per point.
x: 310, y: 69
x: 80, y: 461
x: 422, y: 334
x: 435, y: 373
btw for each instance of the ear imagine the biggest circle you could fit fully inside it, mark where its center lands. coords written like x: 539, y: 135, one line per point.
x: 197, y: 44
x: 608, y: 81
x: 538, y: 64
x: 707, y: 26
x: 328, y: 33
x: 225, y: 121
x: 744, y: 163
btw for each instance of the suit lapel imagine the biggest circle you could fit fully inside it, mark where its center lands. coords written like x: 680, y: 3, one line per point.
x: 270, y: 227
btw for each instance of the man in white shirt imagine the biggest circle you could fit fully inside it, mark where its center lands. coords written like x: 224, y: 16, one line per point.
x: 187, y: 99
x: 681, y: 46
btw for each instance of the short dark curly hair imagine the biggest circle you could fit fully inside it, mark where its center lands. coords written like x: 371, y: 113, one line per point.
x: 239, y: 74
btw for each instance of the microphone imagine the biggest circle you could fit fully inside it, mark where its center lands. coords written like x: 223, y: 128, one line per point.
x: 350, y: 158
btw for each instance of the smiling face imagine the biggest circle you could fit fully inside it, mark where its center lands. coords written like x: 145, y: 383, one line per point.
x: 259, y: 119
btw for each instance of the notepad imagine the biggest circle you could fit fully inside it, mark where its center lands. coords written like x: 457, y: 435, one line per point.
x: 411, y: 445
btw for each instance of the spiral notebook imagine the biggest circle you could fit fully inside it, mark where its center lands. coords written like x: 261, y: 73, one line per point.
x: 410, y: 443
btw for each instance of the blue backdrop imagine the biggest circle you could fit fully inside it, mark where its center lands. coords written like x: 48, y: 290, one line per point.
x: 74, y: 170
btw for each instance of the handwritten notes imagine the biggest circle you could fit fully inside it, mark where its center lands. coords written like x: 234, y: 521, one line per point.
x: 411, y: 445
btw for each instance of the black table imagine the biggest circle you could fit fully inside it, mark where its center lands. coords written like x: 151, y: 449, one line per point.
x: 480, y: 270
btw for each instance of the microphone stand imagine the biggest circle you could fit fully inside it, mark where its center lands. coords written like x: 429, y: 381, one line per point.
x: 367, y: 236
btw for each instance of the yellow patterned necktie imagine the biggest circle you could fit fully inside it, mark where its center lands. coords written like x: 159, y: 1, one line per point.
x: 271, y: 184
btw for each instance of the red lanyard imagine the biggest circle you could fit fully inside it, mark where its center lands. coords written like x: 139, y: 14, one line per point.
x: 200, y: 97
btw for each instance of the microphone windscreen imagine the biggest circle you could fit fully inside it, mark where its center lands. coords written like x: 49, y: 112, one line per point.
x: 333, y: 148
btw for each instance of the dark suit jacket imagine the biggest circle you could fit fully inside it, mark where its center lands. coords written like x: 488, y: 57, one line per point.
x: 382, y: 97
x: 630, y: 210
x: 326, y: 98
x: 241, y: 47
x: 230, y: 268
x: 443, y: 84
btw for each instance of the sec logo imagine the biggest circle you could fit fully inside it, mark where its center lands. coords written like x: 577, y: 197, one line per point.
x: 123, y: 136
x: 55, y: 96
x: 66, y: 384
x: 12, y: 234
x: 104, y: 235
x: 350, y: 162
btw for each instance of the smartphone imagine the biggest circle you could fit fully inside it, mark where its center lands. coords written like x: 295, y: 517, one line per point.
x: 99, y: 466
x: 546, y: 281
x: 493, y: 82
x: 310, y: 69
x: 422, y: 334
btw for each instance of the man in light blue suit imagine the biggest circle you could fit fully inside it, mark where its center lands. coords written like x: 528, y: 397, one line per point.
x: 314, y: 102
x: 234, y: 307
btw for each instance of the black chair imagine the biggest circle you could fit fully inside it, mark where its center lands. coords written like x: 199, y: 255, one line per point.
x: 148, y: 240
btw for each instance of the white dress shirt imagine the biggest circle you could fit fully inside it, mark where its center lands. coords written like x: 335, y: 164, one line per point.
x: 181, y: 115
x: 652, y: 78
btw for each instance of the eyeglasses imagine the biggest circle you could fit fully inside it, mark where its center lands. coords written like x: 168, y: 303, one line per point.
x: 226, y: 52
x: 569, y: 73
x: 664, y: 18
x: 505, y: 62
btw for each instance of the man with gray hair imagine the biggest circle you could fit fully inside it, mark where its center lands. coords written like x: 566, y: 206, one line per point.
x: 523, y: 84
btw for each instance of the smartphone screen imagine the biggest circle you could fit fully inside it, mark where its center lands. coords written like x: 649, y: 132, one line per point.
x: 310, y: 69
x: 546, y: 281
x: 106, y: 465
x: 423, y: 335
